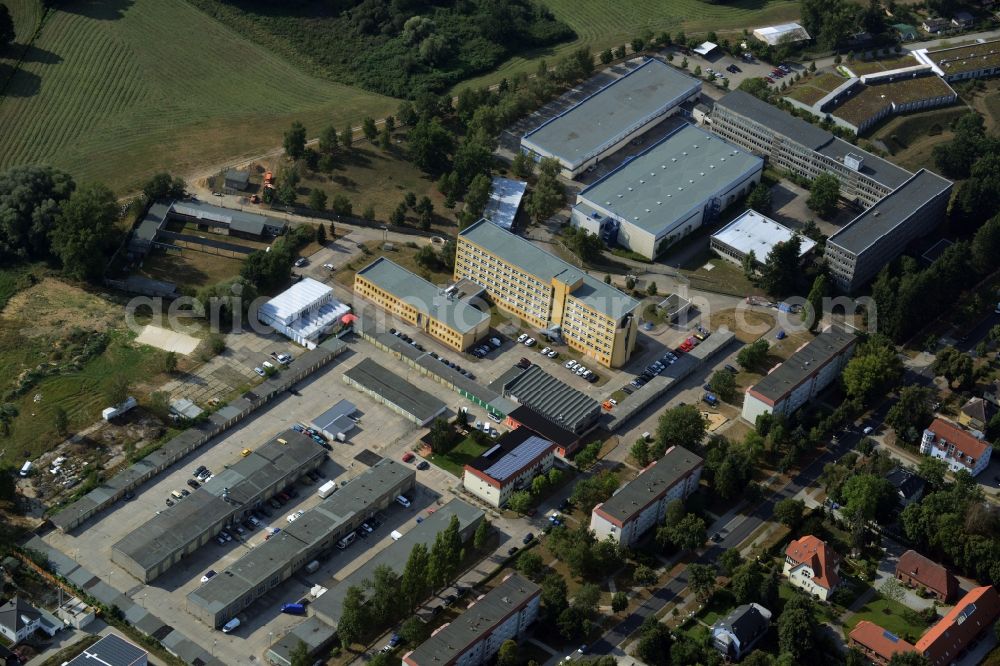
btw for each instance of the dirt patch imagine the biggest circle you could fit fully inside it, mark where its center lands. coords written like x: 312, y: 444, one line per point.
x: 167, y: 340
x: 51, y: 307
x: 748, y: 325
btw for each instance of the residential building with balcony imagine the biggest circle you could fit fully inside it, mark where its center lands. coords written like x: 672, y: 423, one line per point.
x: 957, y: 447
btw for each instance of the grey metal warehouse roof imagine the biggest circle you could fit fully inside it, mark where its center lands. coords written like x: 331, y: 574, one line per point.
x: 165, y: 533
x: 250, y: 223
x: 267, y: 559
x: 422, y: 295
x: 811, y: 136
x: 671, y: 178
x: 598, y: 121
x: 635, y: 495
x: 328, y: 606
x: 337, y: 418
x: 780, y: 381
x: 544, y: 266
x: 395, y: 390
x: 313, y: 632
x: 476, y: 623
x: 557, y: 401
x: 890, y: 211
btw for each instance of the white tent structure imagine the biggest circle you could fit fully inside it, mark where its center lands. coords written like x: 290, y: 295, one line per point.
x: 781, y: 34
x: 304, y: 312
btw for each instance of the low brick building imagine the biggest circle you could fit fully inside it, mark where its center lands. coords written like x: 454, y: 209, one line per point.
x: 915, y: 570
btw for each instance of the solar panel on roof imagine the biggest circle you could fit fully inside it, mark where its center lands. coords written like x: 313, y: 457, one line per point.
x: 891, y: 636
x: 516, y: 459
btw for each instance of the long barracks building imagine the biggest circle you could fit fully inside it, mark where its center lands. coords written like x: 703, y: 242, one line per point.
x: 521, y: 278
x: 899, y: 206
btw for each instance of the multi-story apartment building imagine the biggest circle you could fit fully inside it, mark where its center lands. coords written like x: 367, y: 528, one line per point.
x: 956, y: 446
x: 511, y: 464
x: 807, y: 372
x: 545, y: 291
x: 443, y: 314
x: 812, y: 566
x: 642, y: 502
x: 857, y: 252
x: 806, y: 150
x: 473, y: 638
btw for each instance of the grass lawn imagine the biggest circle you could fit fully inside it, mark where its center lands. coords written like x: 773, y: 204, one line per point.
x: 748, y: 325
x: 889, y: 615
x: 403, y: 255
x: 370, y: 176
x: 455, y: 460
x: 601, y: 24
x: 190, y: 268
x: 911, y: 138
x: 114, y: 92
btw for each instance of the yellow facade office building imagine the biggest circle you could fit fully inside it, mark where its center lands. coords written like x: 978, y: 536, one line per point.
x: 443, y: 314
x: 545, y: 291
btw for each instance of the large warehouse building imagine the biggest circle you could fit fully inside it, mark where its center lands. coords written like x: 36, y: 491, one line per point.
x: 394, y: 392
x: 813, y: 367
x: 304, y: 312
x: 859, y: 250
x: 474, y: 637
x: 607, y: 120
x: 228, y: 498
x: 441, y: 313
x: 642, y: 502
x: 313, y: 534
x: 594, y: 318
x: 667, y: 191
x: 549, y: 396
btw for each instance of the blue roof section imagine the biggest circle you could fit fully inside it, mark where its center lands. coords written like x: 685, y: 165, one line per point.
x: 515, y: 460
x: 544, y: 266
x: 601, y: 120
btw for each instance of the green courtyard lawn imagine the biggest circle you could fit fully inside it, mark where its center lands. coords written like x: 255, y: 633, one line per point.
x: 892, y: 616
x: 455, y: 460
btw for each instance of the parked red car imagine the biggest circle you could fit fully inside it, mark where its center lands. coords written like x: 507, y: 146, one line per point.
x: 408, y: 456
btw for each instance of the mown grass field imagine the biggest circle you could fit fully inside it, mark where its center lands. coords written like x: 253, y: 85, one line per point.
x: 115, y: 91
x: 600, y: 24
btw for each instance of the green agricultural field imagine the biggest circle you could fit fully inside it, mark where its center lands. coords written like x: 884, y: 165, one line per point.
x: 116, y: 91
x: 601, y: 24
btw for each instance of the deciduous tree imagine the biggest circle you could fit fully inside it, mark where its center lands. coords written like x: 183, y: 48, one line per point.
x: 753, y: 355
x: 701, y: 578
x: 824, y: 191
x: 679, y: 426
x: 295, y: 140
x: 86, y: 232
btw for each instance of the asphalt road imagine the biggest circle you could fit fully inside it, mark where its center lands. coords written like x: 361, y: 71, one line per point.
x: 978, y: 332
x: 739, y: 530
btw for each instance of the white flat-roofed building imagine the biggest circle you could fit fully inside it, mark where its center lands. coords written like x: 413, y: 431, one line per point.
x: 304, y: 312
x: 607, y: 120
x: 517, y: 458
x: 667, y: 191
x: 642, y: 502
x: 786, y: 33
x: 756, y: 232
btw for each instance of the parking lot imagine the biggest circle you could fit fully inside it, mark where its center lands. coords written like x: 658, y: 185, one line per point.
x: 381, y: 433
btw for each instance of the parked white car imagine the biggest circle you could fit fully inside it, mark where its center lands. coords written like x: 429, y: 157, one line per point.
x: 522, y: 337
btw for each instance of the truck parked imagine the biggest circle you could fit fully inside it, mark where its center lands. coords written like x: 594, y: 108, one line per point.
x: 327, y: 489
x: 26, y: 468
